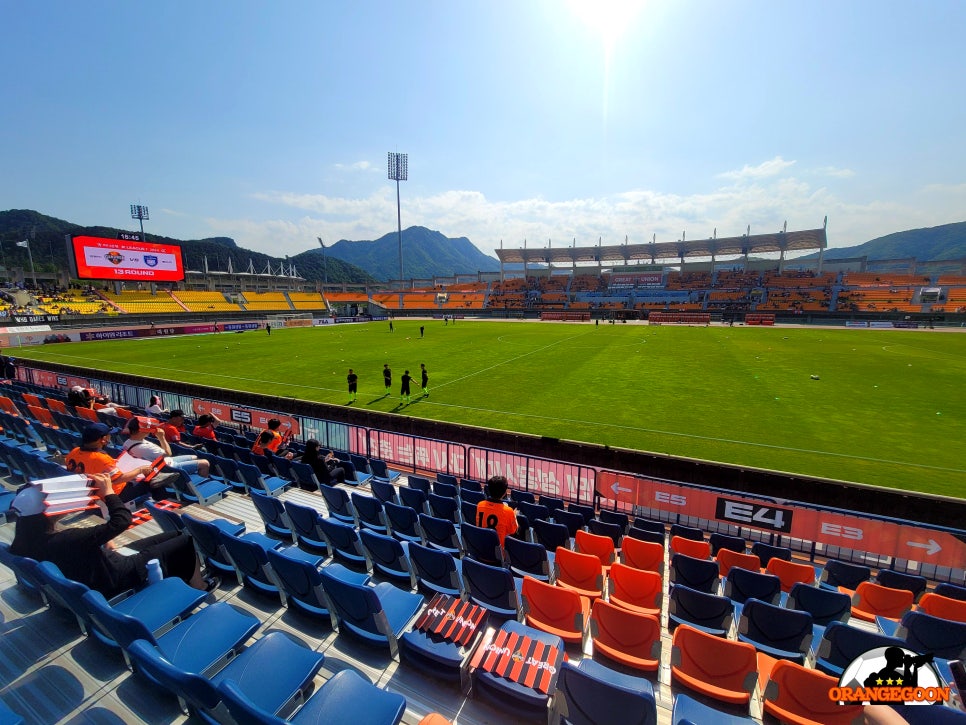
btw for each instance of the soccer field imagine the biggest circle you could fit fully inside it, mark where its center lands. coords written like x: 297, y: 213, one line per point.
x: 888, y: 407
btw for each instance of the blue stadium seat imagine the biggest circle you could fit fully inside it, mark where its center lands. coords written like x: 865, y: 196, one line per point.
x: 707, y: 612
x: 520, y: 701
x: 381, y: 472
x: 529, y: 559
x: 389, y: 556
x: 343, y: 542
x: 403, y: 522
x: 588, y: 693
x: 339, y: 505
x: 720, y: 541
x: 700, y: 574
x: 273, y: 515
x: 305, y: 525
x: 436, y: 571
x: 778, y: 632
x: 492, y: 587
x: 377, y: 615
x: 551, y: 535
x: 369, y: 511
x: 688, y: 711
x: 301, y: 583
x: 291, y: 665
x: 825, y: 606
x: 345, y: 697
x: 200, y: 642
x: 414, y: 498
x: 482, y: 544
x: 383, y: 491
x: 159, y: 606
x: 837, y: 574
x: 440, y: 534
x: 925, y: 633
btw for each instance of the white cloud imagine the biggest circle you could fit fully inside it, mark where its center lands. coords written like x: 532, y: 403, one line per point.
x: 834, y: 172
x: 764, y: 203
x: 772, y: 167
x: 357, y: 166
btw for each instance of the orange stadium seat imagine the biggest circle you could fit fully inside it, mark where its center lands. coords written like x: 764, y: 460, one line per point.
x: 720, y: 668
x: 636, y: 590
x: 583, y: 573
x: 872, y: 600
x: 943, y: 607
x: 629, y: 638
x: 555, y: 610
x: 790, y: 572
x: 600, y: 546
x: 727, y: 558
x: 690, y: 547
x: 799, y: 695
x: 647, y: 555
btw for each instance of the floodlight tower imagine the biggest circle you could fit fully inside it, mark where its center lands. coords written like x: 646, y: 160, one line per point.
x: 325, y: 266
x: 399, y: 171
x: 140, y: 213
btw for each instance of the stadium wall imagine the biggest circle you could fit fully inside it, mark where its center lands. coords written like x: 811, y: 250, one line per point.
x: 858, y: 498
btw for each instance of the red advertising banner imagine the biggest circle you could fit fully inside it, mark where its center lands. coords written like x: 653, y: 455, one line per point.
x: 418, y: 453
x: 244, y: 416
x: 550, y: 478
x: 885, y: 538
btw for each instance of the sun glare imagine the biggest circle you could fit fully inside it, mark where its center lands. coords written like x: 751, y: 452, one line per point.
x: 608, y: 18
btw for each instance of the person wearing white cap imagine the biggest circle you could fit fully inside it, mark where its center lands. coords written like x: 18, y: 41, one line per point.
x: 137, y: 446
x: 83, y: 553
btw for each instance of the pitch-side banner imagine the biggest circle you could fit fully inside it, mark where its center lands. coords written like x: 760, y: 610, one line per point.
x: 886, y: 538
x: 244, y: 416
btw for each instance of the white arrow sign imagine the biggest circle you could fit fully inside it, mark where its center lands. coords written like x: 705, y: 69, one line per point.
x: 931, y: 548
x: 616, y: 488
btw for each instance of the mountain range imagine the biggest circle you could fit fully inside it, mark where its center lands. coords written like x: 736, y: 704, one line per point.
x: 426, y: 253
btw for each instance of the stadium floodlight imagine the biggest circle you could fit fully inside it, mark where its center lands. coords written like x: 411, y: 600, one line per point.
x: 325, y: 266
x: 140, y: 213
x: 399, y: 171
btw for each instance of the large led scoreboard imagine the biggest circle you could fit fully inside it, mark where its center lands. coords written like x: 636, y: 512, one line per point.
x: 125, y: 259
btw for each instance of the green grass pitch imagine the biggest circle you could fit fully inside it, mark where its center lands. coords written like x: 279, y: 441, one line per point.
x: 888, y: 408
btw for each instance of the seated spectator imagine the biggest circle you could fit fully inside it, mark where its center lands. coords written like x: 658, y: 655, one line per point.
x: 80, y: 397
x: 493, y: 513
x: 327, y: 467
x: 263, y: 446
x: 155, y: 406
x: 89, y: 458
x: 277, y: 443
x: 137, y: 446
x: 206, y: 427
x: 86, y: 553
x: 174, y: 426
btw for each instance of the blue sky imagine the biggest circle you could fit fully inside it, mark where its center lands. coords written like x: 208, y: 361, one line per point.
x: 535, y: 119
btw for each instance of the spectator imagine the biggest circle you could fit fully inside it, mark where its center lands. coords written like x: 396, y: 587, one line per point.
x: 89, y: 458
x: 206, y: 427
x: 326, y: 466
x: 263, y: 446
x: 275, y: 445
x: 492, y: 513
x: 86, y: 553
x: 174, y: 427
x: 137, y: 446
x: 156, y: 406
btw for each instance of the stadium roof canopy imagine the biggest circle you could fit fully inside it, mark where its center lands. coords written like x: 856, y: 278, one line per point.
x: 755, y: 244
